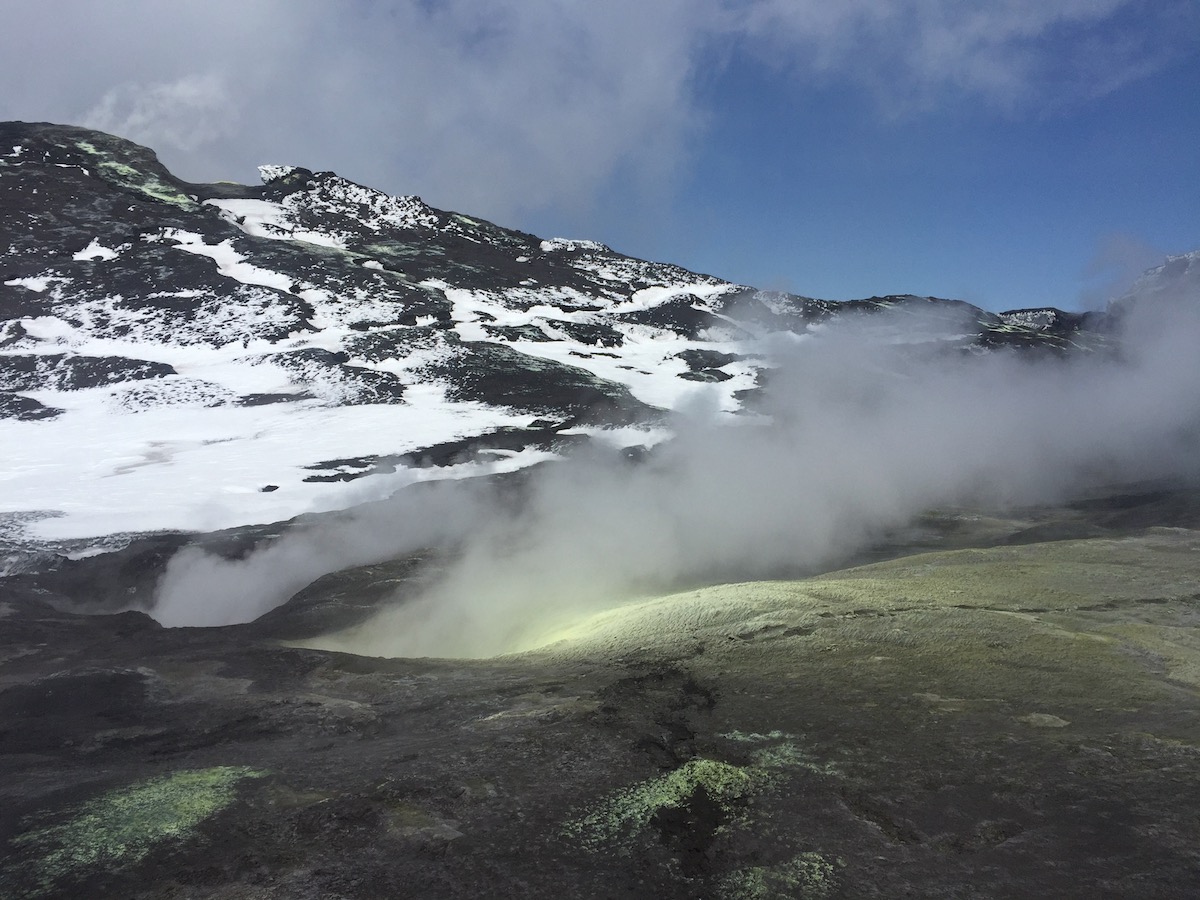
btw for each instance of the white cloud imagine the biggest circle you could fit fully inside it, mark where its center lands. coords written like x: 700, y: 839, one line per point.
x: 1119, y: 260
x: 504, y: 108
x: 185, y: 114
x: 496, y: 107
x: 516, y: 104
x: 1014, y: 53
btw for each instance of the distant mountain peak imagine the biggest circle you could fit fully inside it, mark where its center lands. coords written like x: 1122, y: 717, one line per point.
x: 1177, y: 279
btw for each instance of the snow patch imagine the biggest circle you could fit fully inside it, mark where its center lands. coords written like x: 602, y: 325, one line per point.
x: 210, y: 473
x: 569, y: 245
x: 229, y: 262
x: 1030, y: 318
x: 262, y: 218
x: 269, y: 173
x: 95, y: 250
x: 37, y: 284
x: 343, y: 207
x: 51, y: 329
x: 369, y: 208
x: 648, y: 298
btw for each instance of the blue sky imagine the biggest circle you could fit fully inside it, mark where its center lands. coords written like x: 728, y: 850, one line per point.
x: 993, y: 208
x: 815, y: 190
x: 1015, y: 153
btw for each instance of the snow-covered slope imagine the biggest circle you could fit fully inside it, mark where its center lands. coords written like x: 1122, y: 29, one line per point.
x: 181, y: 356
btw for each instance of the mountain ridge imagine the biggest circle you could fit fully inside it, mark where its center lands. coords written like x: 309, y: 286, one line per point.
x: 128, y: 294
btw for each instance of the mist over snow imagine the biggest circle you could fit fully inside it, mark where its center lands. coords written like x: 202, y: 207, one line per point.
x: 863, y: 427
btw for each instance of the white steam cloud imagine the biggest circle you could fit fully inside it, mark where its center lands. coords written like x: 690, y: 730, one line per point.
x: 189, y: 113
x: 860, y: 433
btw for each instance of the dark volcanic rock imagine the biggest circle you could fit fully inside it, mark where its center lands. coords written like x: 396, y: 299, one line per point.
x: 329, y: 374
x: 596, y: 334
x: 699, y: 360
x: 502, y: 376
x: 69, y: 708
x: 12, y: 334
x: 913, y: 728
x: 709, y: 375
x: 347, y: 598
x: 488, y: 445
x: 14, y: 406
x: 683, y: 315
x: 517, y: 333
x: 705, y: 365
x: 110, y: 581
x: 451, y: 453
x: 66, y: 372
x: 70, y: 184
x: 268, y: 399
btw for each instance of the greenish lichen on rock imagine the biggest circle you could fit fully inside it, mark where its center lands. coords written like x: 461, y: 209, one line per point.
x: 624, y: 813
x: 807, y: 876
x: 128, y: 176
x: 754, y: 737
x: 778, y: 751
x: 119, y: 828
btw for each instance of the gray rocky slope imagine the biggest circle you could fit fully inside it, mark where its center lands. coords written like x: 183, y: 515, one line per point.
x: 341, y: 285
x: 259, y: 345
x: 990, y: 704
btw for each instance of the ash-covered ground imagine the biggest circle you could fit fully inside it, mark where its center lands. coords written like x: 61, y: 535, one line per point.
x: 1003, y: 706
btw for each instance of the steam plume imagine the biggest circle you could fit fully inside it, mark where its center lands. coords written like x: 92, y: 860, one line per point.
x: 862, y: 429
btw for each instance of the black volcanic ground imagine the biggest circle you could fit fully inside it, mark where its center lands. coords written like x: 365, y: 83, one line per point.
x: 1013, y: 718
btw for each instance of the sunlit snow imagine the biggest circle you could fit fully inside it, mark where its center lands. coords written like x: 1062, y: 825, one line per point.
x: 206, y: 468
x: 229, y: 262
x: 253, y: 430
x: 39, y: 284
x: 95, y: 250
x: 262, y: 218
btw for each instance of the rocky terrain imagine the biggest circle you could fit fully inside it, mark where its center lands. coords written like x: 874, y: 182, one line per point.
x: 1007, y: 719
x: 201, y: 356
x: 985, y: 700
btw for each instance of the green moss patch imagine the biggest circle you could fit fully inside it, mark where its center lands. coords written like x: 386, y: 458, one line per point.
x: 119, y: 828
x: 620, y: 816
x: 778, y: 751
x: 808, y: 876
x: 126, y: 175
